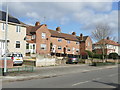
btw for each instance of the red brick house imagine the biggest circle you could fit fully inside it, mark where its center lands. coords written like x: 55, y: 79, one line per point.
x: 55, y: 42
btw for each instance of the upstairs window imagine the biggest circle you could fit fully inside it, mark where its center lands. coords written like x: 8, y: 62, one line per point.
x: 59, y: 40
x: 77, y: 42
x: 17, y: 28
x: 17, y: 44
x: 59, y: 47
x: 77, y: 50
x: 43, y: 46
x: 3, y: 26
x: 68, y: 41
x: 88, y: 43
x: 43, y: 35
x: 27, y: 46
x: 68, y: 49
x: 33, y: 36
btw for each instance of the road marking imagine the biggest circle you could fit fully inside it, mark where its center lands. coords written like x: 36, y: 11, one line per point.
x: 80, y: 83
x: 85, y: 82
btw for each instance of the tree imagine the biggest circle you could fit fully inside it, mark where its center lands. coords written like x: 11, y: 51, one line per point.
x: 90, y: 54
x: 101, y: 32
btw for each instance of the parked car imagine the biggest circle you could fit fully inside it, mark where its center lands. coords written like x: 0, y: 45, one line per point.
x: 72, y: 59
x: 16, y: 57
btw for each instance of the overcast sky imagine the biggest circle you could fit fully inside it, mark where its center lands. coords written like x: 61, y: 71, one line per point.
x: 80, y: 17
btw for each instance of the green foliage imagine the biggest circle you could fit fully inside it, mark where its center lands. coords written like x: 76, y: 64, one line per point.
x: 98, y: 56
x: 90, y: 54
x: 113, y: 56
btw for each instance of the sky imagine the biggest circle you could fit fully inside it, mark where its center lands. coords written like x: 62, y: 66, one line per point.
x: 80, y: 17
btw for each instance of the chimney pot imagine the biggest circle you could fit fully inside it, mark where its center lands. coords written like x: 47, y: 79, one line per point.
x: 37, y: 24
x: 74, y: 33
x: 58, y: 29
x: 81, y: 36
x: 108, y: 38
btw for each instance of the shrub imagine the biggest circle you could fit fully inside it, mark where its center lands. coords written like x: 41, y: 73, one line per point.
x: 90, y: 54
x: 113, y: 56
x: 84, y: 55
x: 98, y: 56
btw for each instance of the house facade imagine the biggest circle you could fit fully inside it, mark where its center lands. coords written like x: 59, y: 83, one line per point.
x: 110, y: 47
x: 15, y: 35
x: 54, y: 42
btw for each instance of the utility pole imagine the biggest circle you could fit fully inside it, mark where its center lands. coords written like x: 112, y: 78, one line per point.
x: 5, y: 59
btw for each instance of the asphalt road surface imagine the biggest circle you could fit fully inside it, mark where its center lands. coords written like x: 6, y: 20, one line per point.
x: 103, y: 78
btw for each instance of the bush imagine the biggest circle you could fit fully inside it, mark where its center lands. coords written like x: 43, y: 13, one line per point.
x: 113, y: 56
x: 84, y: 55
x: 98, y: 56
x: 90, y: 54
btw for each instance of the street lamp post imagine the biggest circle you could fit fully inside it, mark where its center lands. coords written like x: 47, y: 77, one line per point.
x: 5, y: 59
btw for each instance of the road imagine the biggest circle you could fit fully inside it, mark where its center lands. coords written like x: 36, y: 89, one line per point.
x: 103, y: 78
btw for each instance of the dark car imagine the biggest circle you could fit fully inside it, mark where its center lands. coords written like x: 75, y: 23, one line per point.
x: 72, y: 60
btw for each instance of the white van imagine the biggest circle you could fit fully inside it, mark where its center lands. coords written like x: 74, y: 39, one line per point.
x: 16, y: 57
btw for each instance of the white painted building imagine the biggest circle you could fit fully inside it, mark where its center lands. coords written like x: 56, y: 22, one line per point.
x: 110, y: 47
x: 15, y: 35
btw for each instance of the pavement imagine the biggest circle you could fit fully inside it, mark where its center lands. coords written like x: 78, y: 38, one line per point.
x: 52, y: 71
x: 100, y: 77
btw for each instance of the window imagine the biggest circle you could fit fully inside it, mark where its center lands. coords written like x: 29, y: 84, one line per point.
x: 68, y: 41
x: 77, y: 50
x: 43, y: 46
x: 27, y: 46
x: 77, y: 42
x: 73, y: 48
x: 3, y: 26
x: 59, y: 47
x: 17, y: 44
x: 33, y: 46
x: 30, y: 46
x: 17, y: 28
x: 43, y: 35
x: 59, y: 40
x: 33, y: 36
x: 88, y: 43
x: 68, y: 49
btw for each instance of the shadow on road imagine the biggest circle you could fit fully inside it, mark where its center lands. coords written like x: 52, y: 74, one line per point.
x: 107, y: 83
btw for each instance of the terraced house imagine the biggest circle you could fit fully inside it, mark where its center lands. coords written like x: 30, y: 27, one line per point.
x: 15, y: 35
x: 42, y: 40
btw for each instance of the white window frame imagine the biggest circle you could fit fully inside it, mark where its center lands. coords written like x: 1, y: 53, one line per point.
x: 77, y: 50
x: 3, y: 27
x: 59, y: 48
x: 68, y: 49
x: 17, y: 42
x: 18, y: 29
x: 33, y: 36
x: 59, y: 40
x: 77, y: 42
x: 43, y: 35
x: 43, y: 46
x: 68, y: 41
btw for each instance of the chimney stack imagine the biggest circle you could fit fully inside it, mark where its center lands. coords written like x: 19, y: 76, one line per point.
x: 74, y: 33
x: 108, y: 38
x: 58, y: 29
x: 37, y: 24
x: 81, y: 36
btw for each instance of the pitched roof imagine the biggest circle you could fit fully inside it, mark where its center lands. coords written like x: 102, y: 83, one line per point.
x: 84, y: 38
x: 111, y: 42
x: 63, y: 35
x: 32, y: 29
x: 10, y: 18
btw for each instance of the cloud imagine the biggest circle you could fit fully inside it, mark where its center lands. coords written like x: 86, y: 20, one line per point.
x: 85, y: 13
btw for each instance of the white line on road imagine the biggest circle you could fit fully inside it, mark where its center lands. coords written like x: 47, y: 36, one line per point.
x: 80, y: 83
x: 85, y: 82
